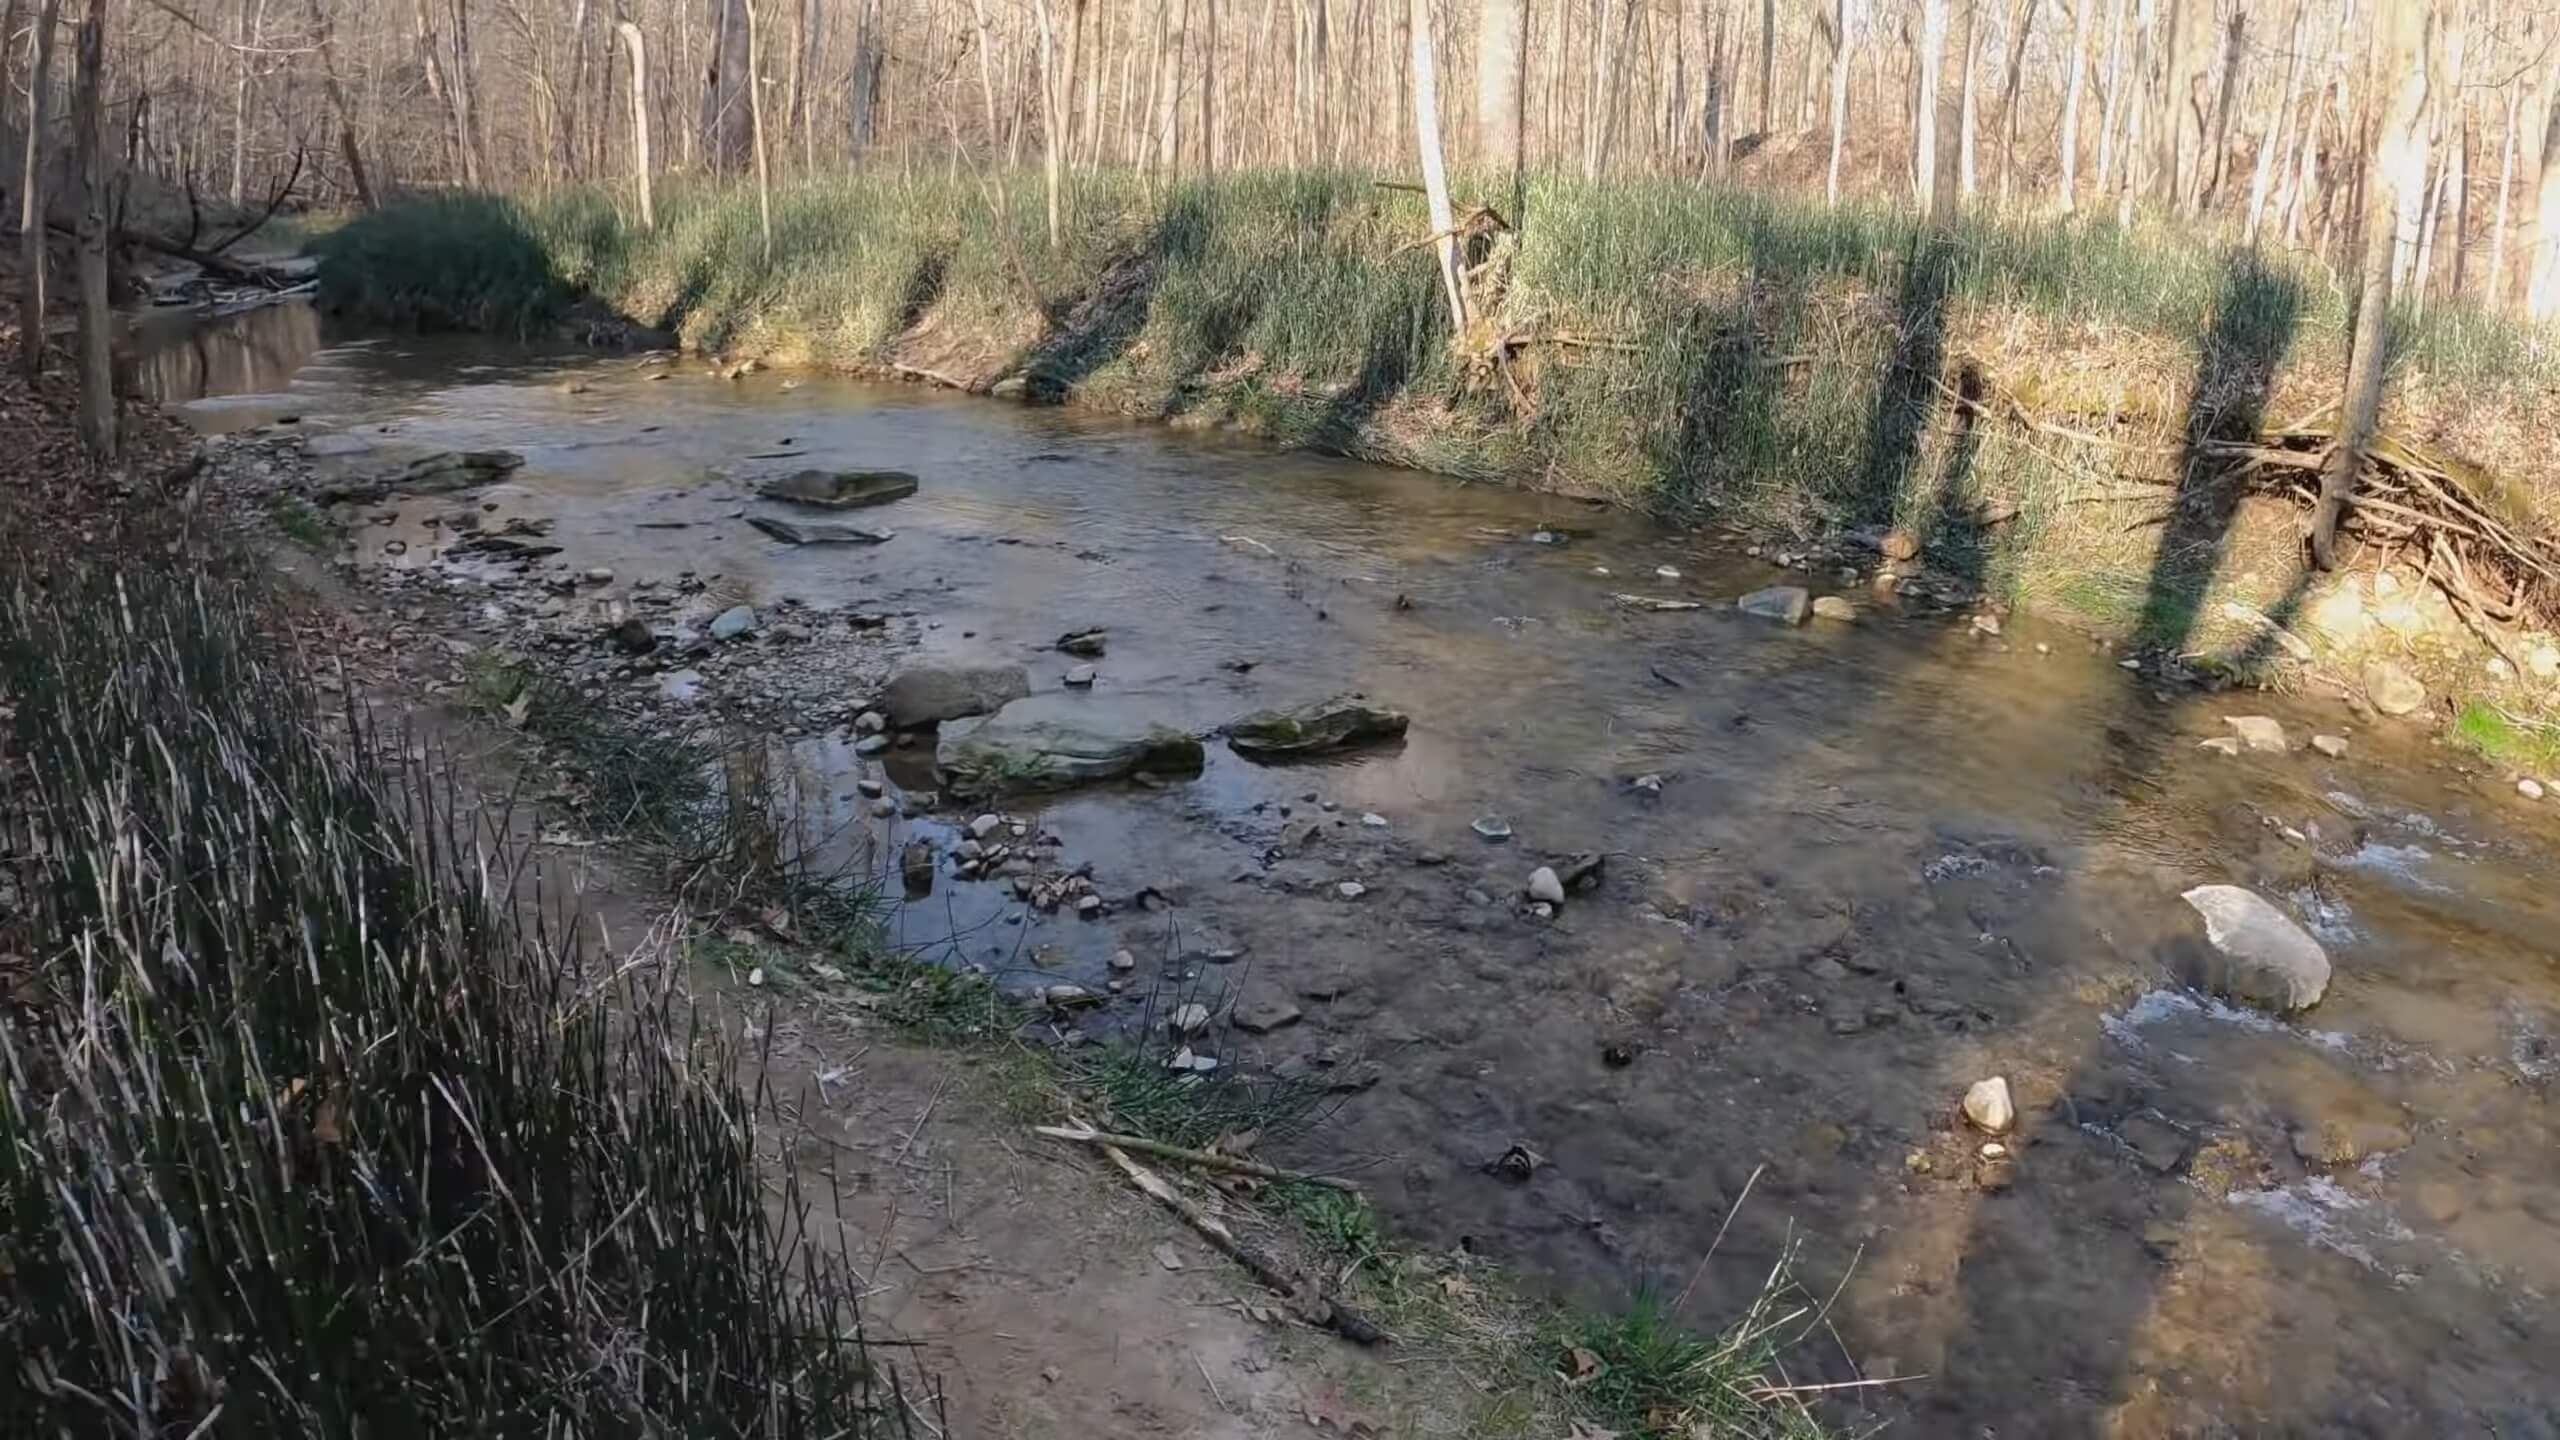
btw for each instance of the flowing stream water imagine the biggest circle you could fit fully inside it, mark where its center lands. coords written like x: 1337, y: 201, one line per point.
x: 1885, y: 860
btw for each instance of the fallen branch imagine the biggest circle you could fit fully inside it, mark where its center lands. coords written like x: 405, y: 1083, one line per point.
x: 1317, y: 1307
x: 1202, y: 1158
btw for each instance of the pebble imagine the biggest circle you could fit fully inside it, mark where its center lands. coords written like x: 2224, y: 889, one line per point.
x: 870, y: 789
x: 1351, y: 889
x: 1188, y: 1019
x: 2529, y: 788
x: 1080, y: 678
x: 884, y: 807
x: 1986, y: 623
x: 1988, y: 1106
x: 871, y: 745
x: 985, y: 826
x: 1545, y: 887
x: 2259, y: 733
x: 870, y: 722
x: 733, y: 622
x: 1089, y: 905
x: 1374, y: 820
x: 599, y: 575
x: 1122, y: 960
x: 1667, y: 572
x: 1649, y: 784
x: 2332, y: 746
x: 1835, y: 607
x: 1493, y: 828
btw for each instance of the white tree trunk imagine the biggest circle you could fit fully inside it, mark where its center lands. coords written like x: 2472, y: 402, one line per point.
x: 1839, y: 97
x: 637, y: 49
x: 1435, y: 175
x: 2072, y: 94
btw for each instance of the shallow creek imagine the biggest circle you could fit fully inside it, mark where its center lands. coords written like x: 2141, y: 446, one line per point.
x: 1886, y: 859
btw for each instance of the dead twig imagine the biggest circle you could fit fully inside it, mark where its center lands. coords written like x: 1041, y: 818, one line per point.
x: 1202, y: 1158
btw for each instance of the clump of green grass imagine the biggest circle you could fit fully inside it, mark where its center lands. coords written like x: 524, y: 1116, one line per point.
x: 304, y: 1122
x: 2519, y: 744
x: 298, y: 522
x: 1641, y: 1372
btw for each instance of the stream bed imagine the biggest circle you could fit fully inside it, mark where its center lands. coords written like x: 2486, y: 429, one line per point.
x: 1882, y: 861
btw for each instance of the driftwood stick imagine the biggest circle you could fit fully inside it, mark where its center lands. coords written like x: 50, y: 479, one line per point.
x: 1310, y: 1300
x: 1203, y: 1158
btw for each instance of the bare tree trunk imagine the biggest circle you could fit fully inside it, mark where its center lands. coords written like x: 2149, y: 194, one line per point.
x: 1057, y: 90
x: 638, y: 49
x: 2277, y: 139
x: 2542, y: 222
x: 246, y: 47
x: 466, y: 96
x: 2111, y: 111
x: 986, y: 65
x: 727, y: 144
x: 1435, y: 174
x: 2506, y: 186
x: 1840, y: 97
x: 324, y: 39
x: 1768, y: 59
x: 2073, y: 93
x: 97, y: 320
x: 31, y: 198
x: 1502, y: 32
x: 2025, y: 25
x: 2397, y: 169
x: 1208, y: 86
x: 755, y: 128
x: 1927, y: 134
x: 1969, y: 55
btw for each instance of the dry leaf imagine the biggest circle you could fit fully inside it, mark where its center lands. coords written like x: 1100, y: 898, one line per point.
x: 1581, y: 1366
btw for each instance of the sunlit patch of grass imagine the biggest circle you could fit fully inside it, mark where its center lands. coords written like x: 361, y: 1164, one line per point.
x: 2519, y: 744
x: 297, y: 521
x: 1641, y: 1372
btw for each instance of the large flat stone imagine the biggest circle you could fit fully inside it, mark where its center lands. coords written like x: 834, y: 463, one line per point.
x: 840, y: 489
x: 1336, y: 723
x: 1059, y: 740
x: 930, y: 694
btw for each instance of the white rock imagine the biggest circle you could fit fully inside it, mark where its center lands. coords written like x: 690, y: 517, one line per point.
x: 733, y: 622
x: 1123, y: 960
x: 1080, y: 678
x: 1786, y: 604
x: 1188, y: 1019
x: 1544, y: 887
x: 2332, y: 746
x: 1667, y: 572
x: 1835, y: 607
x: 1988, y: 1106
x: 1374, y: 820
x: 2392, y: 689
x: 870, y: 722
x: 2270, y: 961
x: 1492, y: 827
x: 756, y: 976
x: 2259, y: 733
x: 2530, y: 789
x: 985, y: 825
x: 1351, y: 889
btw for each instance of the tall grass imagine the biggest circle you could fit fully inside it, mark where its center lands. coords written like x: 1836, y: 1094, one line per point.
x: 306, y: 1129
x: 1699, y: 349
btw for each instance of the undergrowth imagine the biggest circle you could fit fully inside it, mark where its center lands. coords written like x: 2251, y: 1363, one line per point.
x: 311, y: 1123
x: 2529, y: 745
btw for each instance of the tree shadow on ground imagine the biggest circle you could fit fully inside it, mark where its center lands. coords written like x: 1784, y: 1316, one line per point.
x: 1084, y: 333
x: 2116, y: 1249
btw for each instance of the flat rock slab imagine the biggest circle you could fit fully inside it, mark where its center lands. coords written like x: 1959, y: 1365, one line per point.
x: 1314, y: 728
x: 840, y: 489
x: 1057, y: 741
x: 2266, y: 958
x: 930, y: 694
x: 1786, y: 604
x: 818, y: 532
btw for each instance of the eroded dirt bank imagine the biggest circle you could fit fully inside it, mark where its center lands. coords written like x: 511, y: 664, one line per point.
x: 1848, y: 869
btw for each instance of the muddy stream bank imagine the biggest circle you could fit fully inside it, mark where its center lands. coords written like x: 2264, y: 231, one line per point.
x: 1867, y: 865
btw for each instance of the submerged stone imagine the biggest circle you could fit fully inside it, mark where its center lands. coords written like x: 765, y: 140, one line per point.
x: 1331, y: 724
x: 1055, y: 741
x: 840, y: 489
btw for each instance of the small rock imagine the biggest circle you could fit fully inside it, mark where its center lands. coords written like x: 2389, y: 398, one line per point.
x: 1667, y: 572
x: 1374, y: 820
x: 1477, y: 897
x: 2529, y: 788
x: 870, y: 789
x: 1994, y: 1176
x: 1080, y: 678
x: 1545, y: 886
x: 883, y: 808
x: 1261, y: 1017
x: 2259, y: 733
x: 733, y: 622
x: 1123, y: 961
x: 755, y: 977
x: 1069, y: 997
x: 870, y: 745
x: 2269, y: 960
x: 2221, y: 745
x: 1901, y: 545
x: 1542, y: 910
x: 599, y: 575
x: 1988, y: 1106
x: 635, y: 637
x: 1493, y: 828
x: 1835, y: 607
x: 1083, y: 642
x: 2333, y: 746
x: 1648, y: 784
x: 1986, y: 623
x: 1351, y: 889
x: 1189, y: 1063
x: 1188, y: 1019
x: 1786, y: 604
x: 870, y: 722
x: 986, y: 826
x: 915, y: 868
x: 2392, y: 689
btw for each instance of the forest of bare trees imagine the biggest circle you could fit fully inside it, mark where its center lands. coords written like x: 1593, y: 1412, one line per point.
x: 2257, y: 117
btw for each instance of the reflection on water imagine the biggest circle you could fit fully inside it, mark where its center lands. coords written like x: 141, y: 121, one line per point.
x: 1882, y: 861
x: 175, y: 358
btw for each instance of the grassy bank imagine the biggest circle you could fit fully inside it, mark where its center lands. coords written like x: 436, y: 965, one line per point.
x: 2035, y: 399
x: 301, y: 1127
